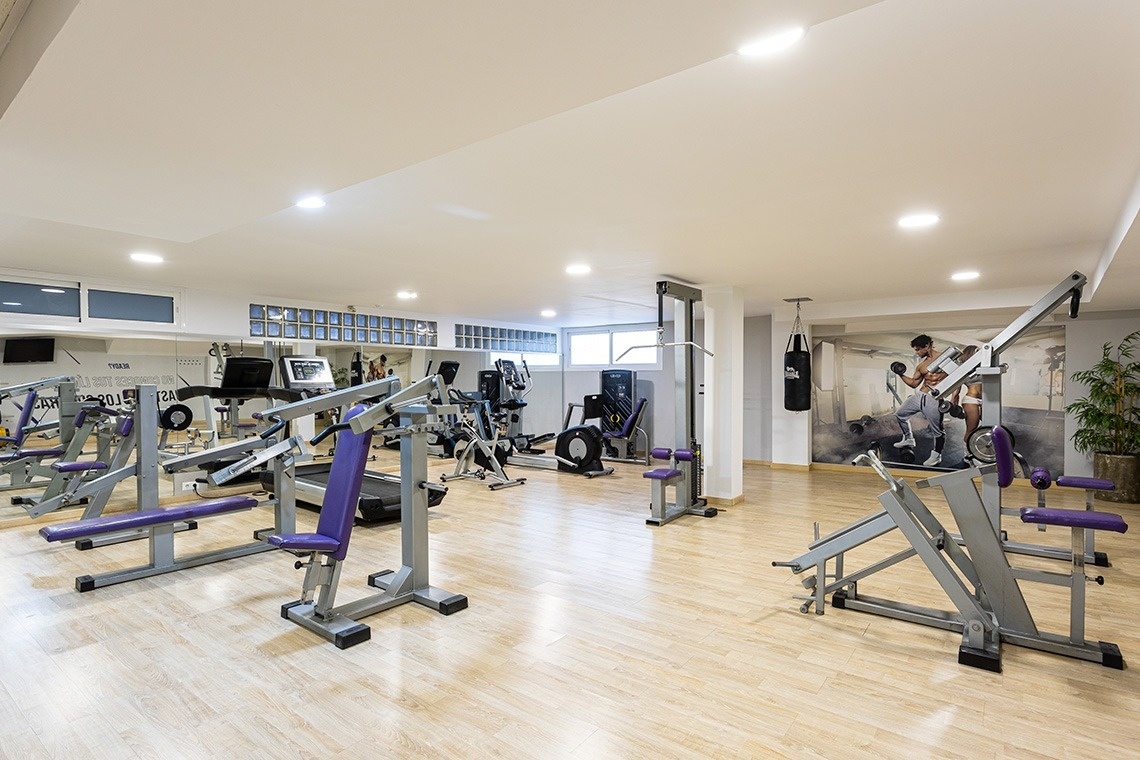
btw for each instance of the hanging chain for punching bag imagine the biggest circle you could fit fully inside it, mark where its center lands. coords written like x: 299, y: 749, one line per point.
x: 797, y: 366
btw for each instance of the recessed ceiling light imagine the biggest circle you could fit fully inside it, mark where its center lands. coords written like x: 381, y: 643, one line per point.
x: 313, y: 201
x: 407, y: 295
x: 774, y: 43
x: 916, y: 221
x: 965, y: 276
x: 52, y: 290
x: 549, y: 313
x: 578, y: 269
x: 146, y: 258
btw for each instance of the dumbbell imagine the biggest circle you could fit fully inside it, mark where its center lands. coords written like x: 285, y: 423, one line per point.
x: 860, y: 425
x: 898, y: 368
x: 946, y: 407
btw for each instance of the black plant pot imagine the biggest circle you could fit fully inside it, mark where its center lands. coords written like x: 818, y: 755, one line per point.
x: 1121, y: 469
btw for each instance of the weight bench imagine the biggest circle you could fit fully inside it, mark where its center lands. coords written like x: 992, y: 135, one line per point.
x: 677, y: 476
x: 161, y: 525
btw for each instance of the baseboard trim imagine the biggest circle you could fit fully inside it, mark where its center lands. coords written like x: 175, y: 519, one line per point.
x: 792, y: 467
x: 716, y: 501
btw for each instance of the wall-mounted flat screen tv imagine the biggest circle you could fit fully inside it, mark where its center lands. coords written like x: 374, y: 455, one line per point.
x: 28, y: 350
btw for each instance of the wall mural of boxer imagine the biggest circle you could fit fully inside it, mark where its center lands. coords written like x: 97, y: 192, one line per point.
x: 858, y: 397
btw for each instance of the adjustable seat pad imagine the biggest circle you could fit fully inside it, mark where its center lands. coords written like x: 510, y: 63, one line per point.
x: 1075, y: 518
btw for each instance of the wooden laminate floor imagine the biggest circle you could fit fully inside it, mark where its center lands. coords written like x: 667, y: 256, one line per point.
x: 589, y: 635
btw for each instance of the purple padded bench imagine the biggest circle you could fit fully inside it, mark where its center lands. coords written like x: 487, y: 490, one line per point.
x: 159, y: 525
x: 1075, y: 518
x: 146, y: 518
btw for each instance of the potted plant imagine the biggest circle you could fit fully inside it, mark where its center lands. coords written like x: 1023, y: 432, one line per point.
x: 1108, y: 420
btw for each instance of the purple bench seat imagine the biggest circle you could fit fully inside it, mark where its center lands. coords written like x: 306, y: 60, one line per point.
x: 305, y: 542
x: 44, y: 453
x: 146, y: 518
x: 1074, y: 518
x: 661, y: 473
x: 78, y: 466
x: 1091, y: 484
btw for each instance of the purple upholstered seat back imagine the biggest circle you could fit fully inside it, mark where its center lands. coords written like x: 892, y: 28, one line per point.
x: 25, y: 418
x: 343, y: 492
x: 1003, y: 450
x: 633, y: 418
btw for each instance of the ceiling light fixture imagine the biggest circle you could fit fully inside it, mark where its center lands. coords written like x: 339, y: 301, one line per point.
x: 965, y: 276
x: 313, y: 201
x: 918, y: 221
x: 578, y: 269
x: 774, y: 43
x: 53, y: 290
x: 13, y: 303
x: 549, y: 313
x: 407, y: 295
x: 146, y: 258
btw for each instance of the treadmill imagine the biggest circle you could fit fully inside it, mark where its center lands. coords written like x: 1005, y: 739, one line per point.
x: 243, y: 378
x: 379, y: 492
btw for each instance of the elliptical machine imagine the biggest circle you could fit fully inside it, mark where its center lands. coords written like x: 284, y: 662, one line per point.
x: 578, y: 449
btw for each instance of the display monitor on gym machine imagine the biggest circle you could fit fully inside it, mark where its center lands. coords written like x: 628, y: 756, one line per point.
x: 307, y: 373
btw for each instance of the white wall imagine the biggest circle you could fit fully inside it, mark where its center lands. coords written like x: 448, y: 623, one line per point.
x: 758, y: 376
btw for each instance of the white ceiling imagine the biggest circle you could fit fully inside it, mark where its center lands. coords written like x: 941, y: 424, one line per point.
x: 470, y: 151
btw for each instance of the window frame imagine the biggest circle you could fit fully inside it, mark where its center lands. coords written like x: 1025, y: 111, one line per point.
x: 610, y: 332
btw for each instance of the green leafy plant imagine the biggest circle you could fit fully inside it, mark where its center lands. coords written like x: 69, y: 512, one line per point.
x: 1107, y: 417
x: 340, y: 377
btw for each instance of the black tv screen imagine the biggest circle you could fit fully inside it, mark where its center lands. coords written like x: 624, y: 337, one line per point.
x: 27, y: 350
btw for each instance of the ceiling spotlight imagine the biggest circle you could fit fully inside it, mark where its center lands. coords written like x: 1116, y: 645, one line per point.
x: 146, y: 258
x: 549, y: 313
x: 313, y: 201
x: 578, y: 269
x: 52, y: 290
x: 407, y: 295
x: 965, y: 276
x: 917, y: 221
x: 773, y: 44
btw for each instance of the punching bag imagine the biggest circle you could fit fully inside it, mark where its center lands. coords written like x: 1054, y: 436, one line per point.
x: 797, y: 374
x: 356, y: 370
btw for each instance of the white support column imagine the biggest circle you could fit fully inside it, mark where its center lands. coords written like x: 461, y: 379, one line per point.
x: 791, y: 431
x: 724, y: 394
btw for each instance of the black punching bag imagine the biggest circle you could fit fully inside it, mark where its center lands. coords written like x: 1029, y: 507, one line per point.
x: 356, y: 370
x: 797, y: 374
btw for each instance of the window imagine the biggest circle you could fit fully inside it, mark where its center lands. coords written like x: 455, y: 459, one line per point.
x: 590, y: 348
x: 625, y: 341
x: 139, y: 307
x: 39, y: 298
x: 603, y: 349
x: 532, y: 360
